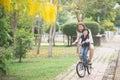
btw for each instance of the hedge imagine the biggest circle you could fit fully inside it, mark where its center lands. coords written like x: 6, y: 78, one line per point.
x: 70, y: 28
x: 94, y: 27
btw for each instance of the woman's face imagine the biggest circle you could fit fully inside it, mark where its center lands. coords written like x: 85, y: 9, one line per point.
x: 80, y: 28
x: 85, y: 32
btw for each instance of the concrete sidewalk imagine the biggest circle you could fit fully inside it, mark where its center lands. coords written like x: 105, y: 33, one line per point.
x: 102, y: 56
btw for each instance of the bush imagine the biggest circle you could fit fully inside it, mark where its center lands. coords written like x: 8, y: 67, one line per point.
x: 102, y: 30
x: 5, y: 56
x: 94, y: 27
x: 5, y: 37
x: 70, y: 29
x: 108, y: 26
x: 23, y: 40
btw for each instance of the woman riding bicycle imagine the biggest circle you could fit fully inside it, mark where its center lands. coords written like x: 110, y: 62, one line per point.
x: 84, y: 41
x: 80, y: 28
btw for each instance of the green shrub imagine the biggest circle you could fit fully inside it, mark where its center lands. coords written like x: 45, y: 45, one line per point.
x: 5, y: 30
x: 94, y: 27
x: 70, y: 29
x: 108, y: 26
x: 23, y: 40
x: 102, y: 30
x: 5, y: 56
x: 3, y: 67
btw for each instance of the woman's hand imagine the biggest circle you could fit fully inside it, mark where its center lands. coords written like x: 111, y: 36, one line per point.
x: 74, y: 43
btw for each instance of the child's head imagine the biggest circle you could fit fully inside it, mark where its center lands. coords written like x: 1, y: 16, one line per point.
x: 85, y: 32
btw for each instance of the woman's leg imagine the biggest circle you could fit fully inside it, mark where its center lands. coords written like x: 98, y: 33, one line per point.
x: 91, y: 52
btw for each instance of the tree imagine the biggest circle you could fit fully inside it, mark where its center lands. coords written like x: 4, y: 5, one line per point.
x: 48, y: 30
x: 23, y: 39
x: 47, y: 10
x: 39, y: 23
x: 108, y: 25
x: 49, y: 14
x: 103, y: 10
x: 117, y: 19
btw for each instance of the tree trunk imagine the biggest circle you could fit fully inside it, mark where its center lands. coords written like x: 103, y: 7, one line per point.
x: 14, y: 23
x: 51, y: 35
x: 33, y: 26
x: 77, y: 15
x: 39, y: 40
x: 2, y: 15
x: 50, y: 43
x: 79, y: 19
x: 68, y: 40
x: 54, y: 30
x: 20, y: 59
x: 14, y: 20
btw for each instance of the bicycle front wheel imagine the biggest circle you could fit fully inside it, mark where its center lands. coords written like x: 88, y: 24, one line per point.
x: 80, y: 69
x: 89, y: 69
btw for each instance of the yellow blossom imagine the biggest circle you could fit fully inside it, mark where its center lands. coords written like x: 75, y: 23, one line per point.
x: 48, y: 12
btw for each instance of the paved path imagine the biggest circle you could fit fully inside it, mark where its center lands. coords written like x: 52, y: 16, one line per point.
x: 117, y: 69
x: 102, y: 56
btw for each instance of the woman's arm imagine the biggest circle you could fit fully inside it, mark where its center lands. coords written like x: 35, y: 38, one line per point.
x: 79, y: 42
x: 90, y: 37
x: 77, y: 39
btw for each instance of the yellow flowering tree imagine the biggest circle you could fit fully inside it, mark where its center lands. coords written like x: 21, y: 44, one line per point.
x: 5, y: 6
x: 48, y: 12
x: 46, y: 9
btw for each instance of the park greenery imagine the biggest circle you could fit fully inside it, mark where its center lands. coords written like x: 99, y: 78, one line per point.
x: 22, y: 23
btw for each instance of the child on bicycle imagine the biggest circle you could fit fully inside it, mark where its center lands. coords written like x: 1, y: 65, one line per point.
x: 84, y: 41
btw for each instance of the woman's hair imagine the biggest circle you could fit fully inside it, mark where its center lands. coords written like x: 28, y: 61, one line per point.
x: 85, y: 30
x: 84, y: 27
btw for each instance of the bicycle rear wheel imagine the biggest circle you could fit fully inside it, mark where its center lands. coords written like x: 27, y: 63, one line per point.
x: 89, y: 68
x: 80, y: 69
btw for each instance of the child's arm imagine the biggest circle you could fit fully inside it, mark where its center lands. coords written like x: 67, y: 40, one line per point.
x: 87, y: 40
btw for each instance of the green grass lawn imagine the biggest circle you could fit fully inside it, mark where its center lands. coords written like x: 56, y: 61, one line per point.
x: 42, y: 67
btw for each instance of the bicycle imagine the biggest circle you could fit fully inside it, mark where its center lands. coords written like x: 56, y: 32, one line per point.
x: 82, y: 67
